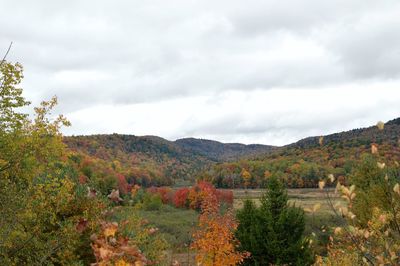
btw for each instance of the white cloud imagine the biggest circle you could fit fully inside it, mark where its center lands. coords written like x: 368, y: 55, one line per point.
x: 261, y: 71
x: 276, y: 116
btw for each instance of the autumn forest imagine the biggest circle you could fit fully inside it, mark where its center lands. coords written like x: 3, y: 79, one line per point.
x: 143, y: 200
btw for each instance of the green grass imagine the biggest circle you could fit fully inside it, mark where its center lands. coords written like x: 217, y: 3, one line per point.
x: 176, y: 225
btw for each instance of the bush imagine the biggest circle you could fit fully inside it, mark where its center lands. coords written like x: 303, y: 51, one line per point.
x: 152, y: 202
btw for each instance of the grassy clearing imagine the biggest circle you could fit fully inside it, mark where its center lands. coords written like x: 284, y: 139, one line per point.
x: 175, y: 224
x: 305, y: 198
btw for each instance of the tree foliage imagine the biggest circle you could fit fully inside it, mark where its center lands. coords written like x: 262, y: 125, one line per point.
x: 370, y: 233
x: 273, y: 232
x: 214, y: 241
x: 40, y: 203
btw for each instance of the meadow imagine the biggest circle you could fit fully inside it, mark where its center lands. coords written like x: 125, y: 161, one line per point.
x: 302, y: 197
x: 176, y: 225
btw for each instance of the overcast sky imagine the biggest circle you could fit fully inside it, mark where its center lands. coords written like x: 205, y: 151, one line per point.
x: 249, y: 71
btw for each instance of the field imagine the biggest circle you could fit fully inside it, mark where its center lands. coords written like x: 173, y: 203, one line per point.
x: 304, y: 197
x: 177, y: 224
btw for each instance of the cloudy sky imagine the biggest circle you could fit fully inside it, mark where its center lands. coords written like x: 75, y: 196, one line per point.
x: 247, y: 71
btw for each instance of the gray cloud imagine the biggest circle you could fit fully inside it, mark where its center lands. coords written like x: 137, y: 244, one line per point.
x: 129, y: 53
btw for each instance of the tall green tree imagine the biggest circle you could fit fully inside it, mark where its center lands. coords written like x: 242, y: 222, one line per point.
x: 273, y: 232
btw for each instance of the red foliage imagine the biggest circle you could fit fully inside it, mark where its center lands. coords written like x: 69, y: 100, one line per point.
x: 166, y: 193
x: 202, y: 189
x: 123, y: 185
x: 181, y: 198
x: 82, y: 179
x: 192, y: 197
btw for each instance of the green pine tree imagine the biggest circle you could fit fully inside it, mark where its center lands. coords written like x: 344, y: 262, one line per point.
x: 273, y: 233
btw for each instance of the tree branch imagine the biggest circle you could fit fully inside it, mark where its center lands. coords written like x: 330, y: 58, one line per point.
x: 5, y: 56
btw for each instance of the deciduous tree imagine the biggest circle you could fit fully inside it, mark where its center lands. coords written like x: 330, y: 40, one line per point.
x: 214, y: 240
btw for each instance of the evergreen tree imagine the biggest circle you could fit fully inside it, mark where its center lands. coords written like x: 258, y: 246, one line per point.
x: 273, y: 233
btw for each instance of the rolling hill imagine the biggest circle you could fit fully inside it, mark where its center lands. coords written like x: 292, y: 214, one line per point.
x: 218, y: 151
x: 304, y: 163
x: 151, y: 160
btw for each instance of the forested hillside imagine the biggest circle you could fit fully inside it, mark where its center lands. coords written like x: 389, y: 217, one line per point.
x: 145, y: 161
x: 151, y: 160
x: 304, y: 163
x: 223, y: 151
x: 356, y: 137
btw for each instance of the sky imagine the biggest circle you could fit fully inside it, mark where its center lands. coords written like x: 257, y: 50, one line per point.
x: 254, y: 71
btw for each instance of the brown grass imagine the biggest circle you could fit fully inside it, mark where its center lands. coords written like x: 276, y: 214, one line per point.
x: 305, y: 198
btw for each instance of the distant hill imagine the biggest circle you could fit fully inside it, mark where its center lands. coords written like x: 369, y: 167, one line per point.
x: 218, y: 151
x: 151, y: 160
x: 361, y: 136
x: 156, y: 160
x: 304, y: 163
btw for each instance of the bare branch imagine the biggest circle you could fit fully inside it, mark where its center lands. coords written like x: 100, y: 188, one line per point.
x: 5, y: 56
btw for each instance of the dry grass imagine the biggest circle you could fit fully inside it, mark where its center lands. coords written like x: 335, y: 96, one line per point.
x: 305, y: 198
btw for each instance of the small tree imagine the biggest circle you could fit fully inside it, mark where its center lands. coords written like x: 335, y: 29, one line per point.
x: 215, y: 241
x: 273, y: 233
x: 246, y: 177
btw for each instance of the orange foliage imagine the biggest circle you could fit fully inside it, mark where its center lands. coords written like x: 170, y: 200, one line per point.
x: 214, y: 241
x: 111, y: 249
x: 193, y: 197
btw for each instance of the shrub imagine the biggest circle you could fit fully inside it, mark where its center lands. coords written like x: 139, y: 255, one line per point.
x: 152, y: 202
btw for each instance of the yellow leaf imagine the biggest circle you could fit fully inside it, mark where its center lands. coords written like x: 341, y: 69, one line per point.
x: 338, y: 187
x: 321, y: 140
x: 396, y: 188
x: 316, y: 207
x: 337, y: 230
x: 321, y: 184
x: 307, y: 210
x: 374, y: 149
x: 110, y: 230
x: 331, y: 178
x: 381, y: 165
x: 121, y: 262
x: 380, y: 125
x: 353, y: 195
x: 351, y: 215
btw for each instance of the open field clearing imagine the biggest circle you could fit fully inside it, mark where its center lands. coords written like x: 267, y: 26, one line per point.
x: 306, y: 198
x: 177, y: 224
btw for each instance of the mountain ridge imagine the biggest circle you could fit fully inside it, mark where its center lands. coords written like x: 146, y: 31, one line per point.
x: 159, y: 161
